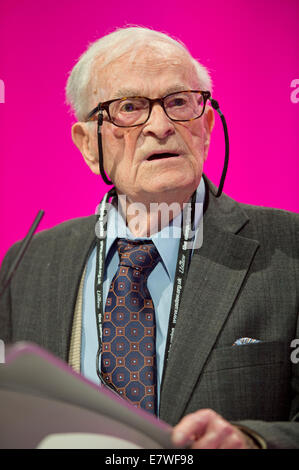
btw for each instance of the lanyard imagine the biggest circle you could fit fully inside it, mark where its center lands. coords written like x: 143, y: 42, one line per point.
x: 182, y: 266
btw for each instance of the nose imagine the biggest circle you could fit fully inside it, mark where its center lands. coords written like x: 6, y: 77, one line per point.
x: 158, y: 124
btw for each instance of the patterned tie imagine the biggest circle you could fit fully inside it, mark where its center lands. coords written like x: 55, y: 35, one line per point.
x: 128, y: 359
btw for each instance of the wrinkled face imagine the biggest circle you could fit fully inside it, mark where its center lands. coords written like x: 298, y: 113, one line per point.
x: 128, y: 152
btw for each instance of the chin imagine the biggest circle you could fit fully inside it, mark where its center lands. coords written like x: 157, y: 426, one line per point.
x: 174, y: 182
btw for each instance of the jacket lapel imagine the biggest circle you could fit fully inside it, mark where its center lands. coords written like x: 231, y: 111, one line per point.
x: 216, y: 274
x: 71, y: 259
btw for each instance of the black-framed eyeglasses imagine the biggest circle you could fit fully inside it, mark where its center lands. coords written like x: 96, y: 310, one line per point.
x: 181, y: 106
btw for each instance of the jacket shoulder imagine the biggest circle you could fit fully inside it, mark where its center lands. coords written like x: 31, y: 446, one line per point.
x: 275, y: 229
x: 270, y: 218
x: 269, y: 212
x: 79, y: 227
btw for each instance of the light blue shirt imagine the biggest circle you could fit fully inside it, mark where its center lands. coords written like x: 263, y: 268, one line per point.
x: 160, y: 285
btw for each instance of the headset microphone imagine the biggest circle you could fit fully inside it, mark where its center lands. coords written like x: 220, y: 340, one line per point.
x: 215, y: 105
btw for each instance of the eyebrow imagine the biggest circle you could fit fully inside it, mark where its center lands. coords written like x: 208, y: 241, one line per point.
x: 129, y: 92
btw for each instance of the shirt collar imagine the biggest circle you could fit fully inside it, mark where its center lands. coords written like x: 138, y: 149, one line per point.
x: 166, y: 241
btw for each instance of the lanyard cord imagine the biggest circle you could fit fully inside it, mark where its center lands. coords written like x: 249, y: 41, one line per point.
x: 183, y: 261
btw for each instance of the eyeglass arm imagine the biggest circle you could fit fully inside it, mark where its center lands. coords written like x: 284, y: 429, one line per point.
x: 100, y: 147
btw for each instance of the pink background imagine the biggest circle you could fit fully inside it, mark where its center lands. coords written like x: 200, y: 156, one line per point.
x: 250, y: 47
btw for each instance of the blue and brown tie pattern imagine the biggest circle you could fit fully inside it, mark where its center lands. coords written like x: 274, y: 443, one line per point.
x: 128, y: 360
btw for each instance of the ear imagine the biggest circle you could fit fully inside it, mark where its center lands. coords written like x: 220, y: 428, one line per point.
x: 209, y: 121
x: 85, y: 138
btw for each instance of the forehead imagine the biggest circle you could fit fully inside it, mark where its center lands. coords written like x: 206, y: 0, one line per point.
x: 151, y: 73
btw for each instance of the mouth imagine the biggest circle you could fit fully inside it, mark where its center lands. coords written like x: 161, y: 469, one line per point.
x: 161, y: 156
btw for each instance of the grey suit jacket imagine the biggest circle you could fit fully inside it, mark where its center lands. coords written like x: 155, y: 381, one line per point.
x: 243, y: 282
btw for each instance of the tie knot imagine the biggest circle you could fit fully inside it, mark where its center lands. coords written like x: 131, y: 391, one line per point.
x: 141, y: 255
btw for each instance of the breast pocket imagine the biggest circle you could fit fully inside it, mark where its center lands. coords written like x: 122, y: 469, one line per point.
x: 251, y: 381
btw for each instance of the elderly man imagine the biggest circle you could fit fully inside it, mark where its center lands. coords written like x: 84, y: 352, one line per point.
x: 218, y: 367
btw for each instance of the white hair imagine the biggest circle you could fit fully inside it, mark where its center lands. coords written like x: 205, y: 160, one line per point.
x: 112, y: 47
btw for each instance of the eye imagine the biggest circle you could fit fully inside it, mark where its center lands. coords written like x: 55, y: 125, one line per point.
x: 132, y: 105
x: 178, y: 102
x: 128, y: 107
